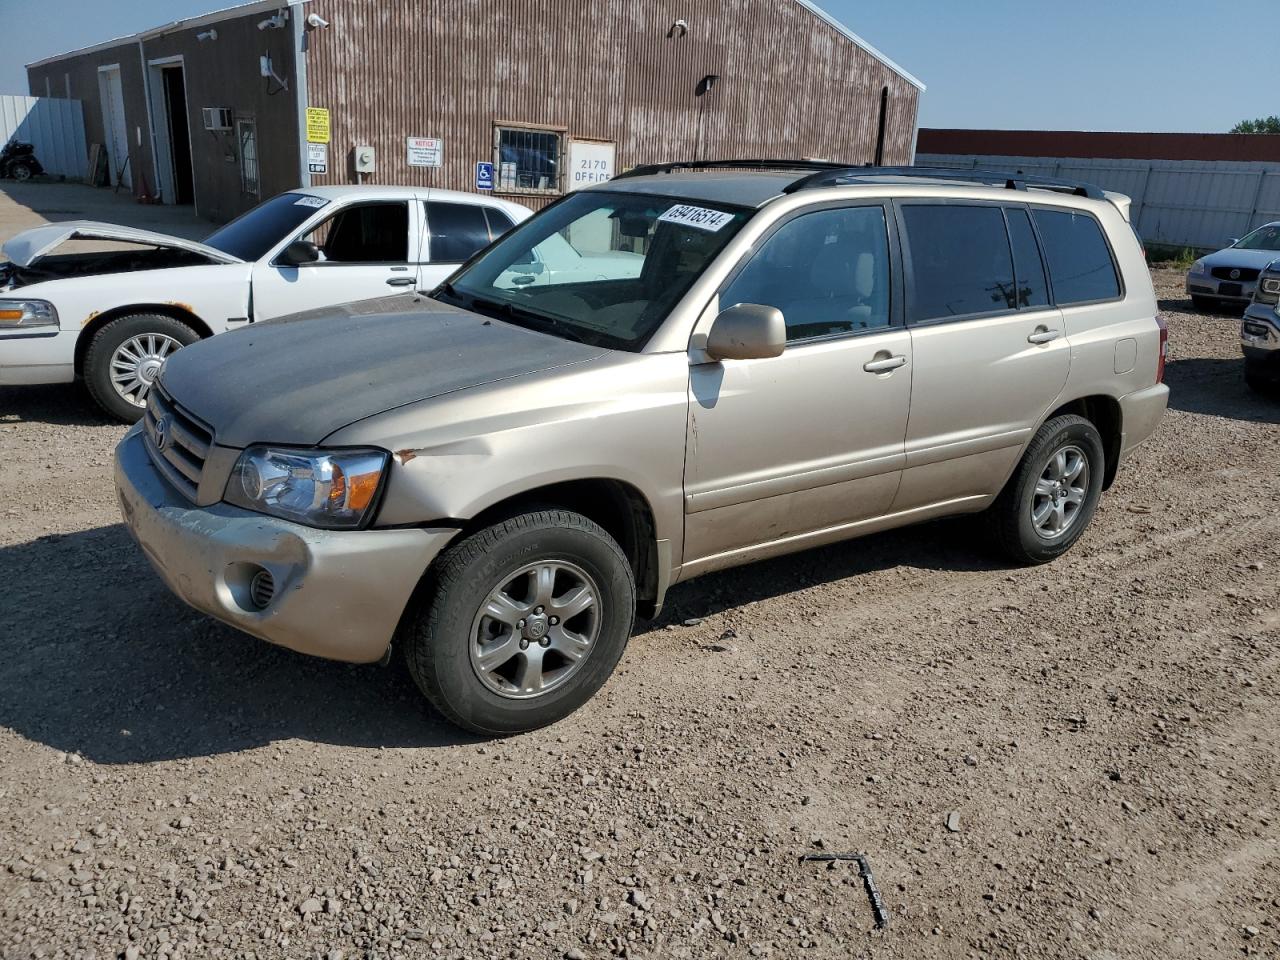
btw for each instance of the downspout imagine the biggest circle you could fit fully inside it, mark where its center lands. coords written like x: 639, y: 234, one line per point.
x: 298, y: 24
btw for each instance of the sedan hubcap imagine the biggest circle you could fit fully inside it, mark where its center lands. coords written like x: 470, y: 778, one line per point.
x: 535, y: 629
x: 136, y: 364
x: 1060, y: 492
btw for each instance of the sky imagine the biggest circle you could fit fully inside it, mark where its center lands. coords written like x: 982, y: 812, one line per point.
x: 1164, y: 65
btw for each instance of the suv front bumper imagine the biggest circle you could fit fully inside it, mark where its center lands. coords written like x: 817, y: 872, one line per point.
x: 337, y: 594
x: 1260, y: 335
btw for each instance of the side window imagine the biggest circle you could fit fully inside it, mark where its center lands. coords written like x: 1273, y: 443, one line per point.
x: 499, y: 222
x: 457, y: 231
x: 1079, y: 259
x: 364, y: 233
x: 960, y: 261
x: 827, y: 271
x: 1033, y: 291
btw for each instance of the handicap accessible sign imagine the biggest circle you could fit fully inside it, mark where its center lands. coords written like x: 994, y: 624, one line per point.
x: 484, y: 176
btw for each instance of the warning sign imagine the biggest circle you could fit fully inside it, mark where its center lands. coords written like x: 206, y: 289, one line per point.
x: 425, y: 151
x: 317, y: 125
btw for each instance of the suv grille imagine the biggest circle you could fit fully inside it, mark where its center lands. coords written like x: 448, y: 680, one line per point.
x: 1246, y: 275
x: 178, y: 442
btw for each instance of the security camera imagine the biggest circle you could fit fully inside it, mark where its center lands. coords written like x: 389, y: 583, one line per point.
x: 316, y: 21
x: 276, y: 22
x: 207, y: 35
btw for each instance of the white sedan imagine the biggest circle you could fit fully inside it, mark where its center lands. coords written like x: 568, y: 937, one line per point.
x: 112, y: 317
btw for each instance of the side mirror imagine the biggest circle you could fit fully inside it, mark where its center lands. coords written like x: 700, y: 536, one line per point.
x: 747, y: 331
x: 300, y: 252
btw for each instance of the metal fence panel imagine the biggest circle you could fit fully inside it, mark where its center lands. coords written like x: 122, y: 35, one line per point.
x: 1178, y: 203
x: 55, y: 127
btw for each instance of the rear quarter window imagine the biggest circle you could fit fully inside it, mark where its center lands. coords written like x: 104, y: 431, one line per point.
x: 1080, y: 262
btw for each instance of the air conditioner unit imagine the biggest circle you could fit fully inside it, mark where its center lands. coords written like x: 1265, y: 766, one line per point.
x: 218, y: 118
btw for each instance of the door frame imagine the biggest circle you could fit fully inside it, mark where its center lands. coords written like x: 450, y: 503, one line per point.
x: 111, y: 124
x: 162, y: 148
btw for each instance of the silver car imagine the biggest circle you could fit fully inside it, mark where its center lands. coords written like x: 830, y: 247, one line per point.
x: 1260, y: 333
x: 1229, y: 277
x: 502, y: 477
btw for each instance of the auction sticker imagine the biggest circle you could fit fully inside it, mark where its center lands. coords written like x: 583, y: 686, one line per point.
x: 305, y: 201
x: 699, y: 217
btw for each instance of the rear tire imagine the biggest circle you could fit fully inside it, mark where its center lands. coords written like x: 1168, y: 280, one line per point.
x: 1037, y: 499
x: 149, y: 337
x: 504, y: 674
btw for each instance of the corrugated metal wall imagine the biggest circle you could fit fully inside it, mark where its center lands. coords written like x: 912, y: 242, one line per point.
x: 1177, y: 203
x: 54, y: 127
x: 790, y: 84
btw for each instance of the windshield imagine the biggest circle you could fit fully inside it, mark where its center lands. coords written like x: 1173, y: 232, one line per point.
x: 250, y: 235
x: 1264, y: 238
x: 601, y: 267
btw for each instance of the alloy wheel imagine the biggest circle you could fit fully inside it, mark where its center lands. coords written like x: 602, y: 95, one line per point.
x: 1060, y: 492
x: 136, y: 363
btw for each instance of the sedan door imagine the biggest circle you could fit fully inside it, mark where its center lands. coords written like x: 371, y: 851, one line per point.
x: 368, y: 249
x: 802, y: 448
x: 455, y: 233
x: 990, y: 351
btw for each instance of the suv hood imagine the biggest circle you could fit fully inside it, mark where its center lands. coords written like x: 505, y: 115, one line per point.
x: 30, y: 245
x: 297, y: 379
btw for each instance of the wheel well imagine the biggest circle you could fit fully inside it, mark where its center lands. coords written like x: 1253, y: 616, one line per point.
x: 1104, y: 413
x: 618, y: 507
x: 97, y: 321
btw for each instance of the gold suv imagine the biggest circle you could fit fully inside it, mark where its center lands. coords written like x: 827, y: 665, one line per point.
x: 688, y: 368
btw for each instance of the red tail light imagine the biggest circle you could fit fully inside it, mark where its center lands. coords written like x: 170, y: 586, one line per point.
x: 1164, y: 347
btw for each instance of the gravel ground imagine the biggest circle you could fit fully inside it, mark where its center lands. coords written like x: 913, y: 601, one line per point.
x: 1078, y: 760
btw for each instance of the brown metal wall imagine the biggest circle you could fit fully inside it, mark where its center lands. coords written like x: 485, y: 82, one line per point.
x: 791, y: 85
x: 83, y: 73
x: 218, y: 73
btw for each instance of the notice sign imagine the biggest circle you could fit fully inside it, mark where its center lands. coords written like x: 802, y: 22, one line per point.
x: 425, y: 151
x: 317, y: 158
x: 484, y: 175
x: 590, y: 161
x: 317, y: 125
x: 699, y: 217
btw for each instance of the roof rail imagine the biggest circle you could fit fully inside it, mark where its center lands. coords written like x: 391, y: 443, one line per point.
x: 651, y: 169
x: 994, y: 178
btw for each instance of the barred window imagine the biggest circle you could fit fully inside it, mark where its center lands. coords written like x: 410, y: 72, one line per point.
x: 247, y: 133
x: 528, y: 159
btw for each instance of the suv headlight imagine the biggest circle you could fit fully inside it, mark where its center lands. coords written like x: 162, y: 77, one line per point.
x: 335, y: 489
x: 25, y: 314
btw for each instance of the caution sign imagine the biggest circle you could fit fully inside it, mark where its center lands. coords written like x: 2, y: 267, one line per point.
x: 317, y: 125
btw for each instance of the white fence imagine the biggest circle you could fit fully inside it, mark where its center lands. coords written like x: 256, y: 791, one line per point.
x: 1177, y: 203
x: 53, y: 126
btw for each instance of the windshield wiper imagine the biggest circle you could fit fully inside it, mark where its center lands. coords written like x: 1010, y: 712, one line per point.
x: 521, y: 317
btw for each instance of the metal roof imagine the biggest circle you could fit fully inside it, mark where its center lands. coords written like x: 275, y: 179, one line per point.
x: 217, y: 16
x: 850, y: 35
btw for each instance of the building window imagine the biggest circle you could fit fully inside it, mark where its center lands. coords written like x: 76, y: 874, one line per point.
x: 247, y: 133
x: 528, y: 159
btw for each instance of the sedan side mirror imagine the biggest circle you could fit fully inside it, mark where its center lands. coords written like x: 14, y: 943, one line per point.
x: 300, y: 252
x: 747, y: 331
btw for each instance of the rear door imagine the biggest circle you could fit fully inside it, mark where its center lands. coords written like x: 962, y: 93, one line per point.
x: 368, y: 249
x: 989, y: 350
x: 455, y: 232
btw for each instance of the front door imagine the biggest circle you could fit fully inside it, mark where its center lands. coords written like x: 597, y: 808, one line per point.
x: 797, y: 448
x: 989, y: 350
x: 367, y: 250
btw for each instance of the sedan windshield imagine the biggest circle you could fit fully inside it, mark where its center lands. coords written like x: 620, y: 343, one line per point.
x: 252, y: 234
x: 1264, y: 238
x: 601, y: 267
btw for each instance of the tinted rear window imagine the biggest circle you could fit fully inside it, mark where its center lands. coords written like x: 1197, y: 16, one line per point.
x: 1032, y: 289
x: 1079, y: 259
x: 960, y: 261
x: 457, y: 231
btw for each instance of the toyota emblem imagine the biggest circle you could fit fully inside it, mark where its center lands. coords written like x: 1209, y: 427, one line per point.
x: 1235, y: 274
x: 162, y: 433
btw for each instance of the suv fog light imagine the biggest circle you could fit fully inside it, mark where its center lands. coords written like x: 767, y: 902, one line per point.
x: 262, y: 588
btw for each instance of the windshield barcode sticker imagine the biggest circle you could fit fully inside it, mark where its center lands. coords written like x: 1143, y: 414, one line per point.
x: 310, y: 202
x: 699, y: 217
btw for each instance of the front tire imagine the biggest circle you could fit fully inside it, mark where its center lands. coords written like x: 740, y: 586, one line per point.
x: 523, y: 622
x: 1206, y: 304
x: 1259, y: 381
x: 1052, y: 496
x: 124, y: 359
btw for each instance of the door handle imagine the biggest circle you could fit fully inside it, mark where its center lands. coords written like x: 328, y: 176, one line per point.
x: 401, y: 281
x: 884, y: 364
x: 523, y: 281
x: 1044, y: 335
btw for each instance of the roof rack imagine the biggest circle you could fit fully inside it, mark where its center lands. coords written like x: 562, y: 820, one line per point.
x: 994, y: 178
x: 652, y: 169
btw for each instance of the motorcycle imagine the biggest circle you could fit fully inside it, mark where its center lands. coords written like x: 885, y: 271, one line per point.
x: 18, y: 161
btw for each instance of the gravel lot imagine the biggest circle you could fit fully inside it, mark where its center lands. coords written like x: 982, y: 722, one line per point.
x: 1078, y: 760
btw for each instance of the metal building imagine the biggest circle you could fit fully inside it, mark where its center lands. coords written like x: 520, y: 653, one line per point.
x: 533, y: 99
